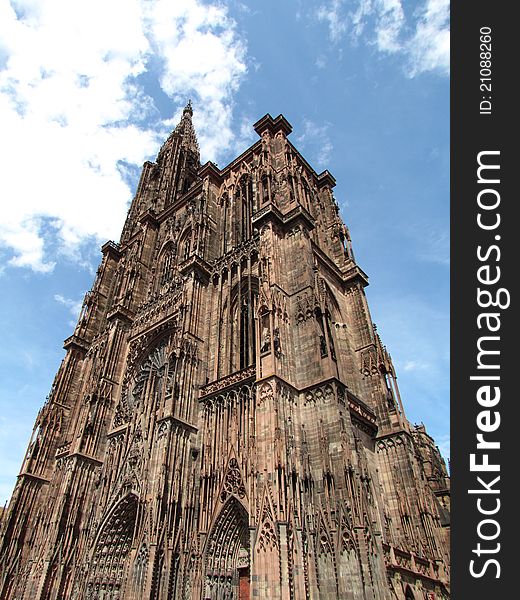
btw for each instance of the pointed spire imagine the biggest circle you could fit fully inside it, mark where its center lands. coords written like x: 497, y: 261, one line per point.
x: 188, y: 108
x: 187, y: 131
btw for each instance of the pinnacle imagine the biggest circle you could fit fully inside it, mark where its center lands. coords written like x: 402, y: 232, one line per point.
x: 187, y: 131
x: 188, y: 109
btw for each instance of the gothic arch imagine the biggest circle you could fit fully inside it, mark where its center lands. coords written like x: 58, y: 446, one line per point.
x: 167, y: 262
x: 265, y: 188
x: 225, y: 211
x: 226, y: 557
x: 331, y: 302
x: 244, y: 297
x: 185, y: 244
x: 146, y: 377
x: 107, y: 568
x: 326, y: 314
x: 307, y: 195
x: 244, y: 206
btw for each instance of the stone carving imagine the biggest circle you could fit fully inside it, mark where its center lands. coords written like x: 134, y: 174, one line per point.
x: 267, y: 536
x: 233, y: 483
x: 265, y: 393
x: 175, y: 456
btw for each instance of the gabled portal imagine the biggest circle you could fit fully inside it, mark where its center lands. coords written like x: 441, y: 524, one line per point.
x: 227, y: 554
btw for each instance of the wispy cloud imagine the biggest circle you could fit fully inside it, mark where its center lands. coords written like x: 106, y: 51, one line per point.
x: 332, y: 14
x: 245, y: 136
x: 413, y: 365
x: 200, y: 53
x: 389, y: 25
x: 315, y: 140
x: 422, y: 38
x: 320, y: 62
x: 432, y: 243
x: 73, y: 110
x: 74, y: 306
x: 429, y: 48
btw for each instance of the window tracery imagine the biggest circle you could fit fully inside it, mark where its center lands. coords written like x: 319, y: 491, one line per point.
x: 168, y: 265
x: 243, y: 308
x: 244, y: 206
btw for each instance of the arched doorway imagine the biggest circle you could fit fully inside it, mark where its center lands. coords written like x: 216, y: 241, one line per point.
x: 227, y: 554
x: 107, y: 565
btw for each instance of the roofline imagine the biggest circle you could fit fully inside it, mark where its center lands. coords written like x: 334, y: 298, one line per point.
x: 273, y: 125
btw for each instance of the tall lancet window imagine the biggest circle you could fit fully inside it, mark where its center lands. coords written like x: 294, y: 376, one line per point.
x: 244, y: 206
x: 307, y: 196
x: 290, y: 186
x: 224, y: 203
x: 185, y: 246
x: 168, y: 265
x: 265, y: 189
x: 243, y: 339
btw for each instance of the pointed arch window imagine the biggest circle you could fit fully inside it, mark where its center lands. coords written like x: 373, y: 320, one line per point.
x: 243, y: 338
x: 224, y: 203
x: 168, y: 265
x: 306, y: 195
x: 185, y: 246
x: 245, y: 206
x: 326, y: 340
x: 266, y: 189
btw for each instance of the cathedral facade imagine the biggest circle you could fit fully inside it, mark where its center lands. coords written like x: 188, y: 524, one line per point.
x: 226, y: 423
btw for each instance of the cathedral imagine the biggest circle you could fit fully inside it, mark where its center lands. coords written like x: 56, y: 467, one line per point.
x: 226, y: 423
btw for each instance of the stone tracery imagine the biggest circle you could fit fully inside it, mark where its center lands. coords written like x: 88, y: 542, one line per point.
x: 225, y: 423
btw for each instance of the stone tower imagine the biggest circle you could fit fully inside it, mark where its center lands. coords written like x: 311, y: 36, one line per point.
x: 226, y: 423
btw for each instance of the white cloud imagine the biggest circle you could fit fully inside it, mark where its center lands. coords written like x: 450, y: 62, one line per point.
x: 72, y: 109
x: 422, y: 38
x: 315, y: 139
x: 246, y: 135
x: 412, y: 365
x: 202, y: 54
x: 390, y: 22
x: 332, y: 14
x: 429, y: 49
x: 74, y: 306
x: 320, y: 62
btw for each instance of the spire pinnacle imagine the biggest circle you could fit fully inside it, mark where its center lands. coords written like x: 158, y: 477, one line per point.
x: 186, y: 130
x: 188, y: 108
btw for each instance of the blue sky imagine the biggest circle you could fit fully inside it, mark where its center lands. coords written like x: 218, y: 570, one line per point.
x: 86, y: 96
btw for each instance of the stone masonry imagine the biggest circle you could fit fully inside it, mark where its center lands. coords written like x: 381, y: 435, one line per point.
x: 226, y: 423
